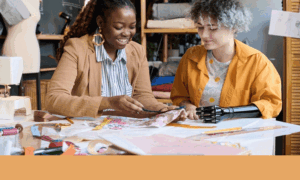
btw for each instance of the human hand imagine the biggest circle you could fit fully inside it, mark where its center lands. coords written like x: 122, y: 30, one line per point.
x: 123, y: 103
x: 191, y: 112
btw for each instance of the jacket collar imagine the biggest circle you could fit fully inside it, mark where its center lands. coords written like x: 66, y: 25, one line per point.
x: 243, y: 51
x: 235, y: 69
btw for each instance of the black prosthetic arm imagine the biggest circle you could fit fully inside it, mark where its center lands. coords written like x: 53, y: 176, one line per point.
x: 215, y: 114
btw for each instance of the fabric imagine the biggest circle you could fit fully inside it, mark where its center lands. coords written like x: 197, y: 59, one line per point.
x: 162, y: 80
x: 13, y: 11
x: 217, y: 72
x: 75, y: 87
x: 251, y: 78
x: 163, y: 11
x: 180, y: 23
x: 163, y: 87
x: 158, y: 121
x: 168, y: 68
x: 161, y: 95
x: 115, y: 80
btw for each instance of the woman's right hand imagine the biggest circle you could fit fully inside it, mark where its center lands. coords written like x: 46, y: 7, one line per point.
x: 121, y: 103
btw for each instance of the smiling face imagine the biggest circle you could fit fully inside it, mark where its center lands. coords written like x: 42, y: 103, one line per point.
x: 211, y: 36
x: 118, y: 29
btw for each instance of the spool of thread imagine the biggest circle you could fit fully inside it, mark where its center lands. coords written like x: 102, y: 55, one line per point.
x: 19, y: 127
x: 7, y: 132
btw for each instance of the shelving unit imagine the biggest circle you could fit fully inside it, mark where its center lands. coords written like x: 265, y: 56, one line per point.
x: 164, y: 31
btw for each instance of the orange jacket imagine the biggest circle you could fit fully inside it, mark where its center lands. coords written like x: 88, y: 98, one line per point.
x: 251, y: 78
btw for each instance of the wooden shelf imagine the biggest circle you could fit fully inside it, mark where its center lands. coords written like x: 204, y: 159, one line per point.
x: 44, y: 37
x: 164, y: 31
x: 50, y: 37
x: 47, y: 69
x: 171, y: 31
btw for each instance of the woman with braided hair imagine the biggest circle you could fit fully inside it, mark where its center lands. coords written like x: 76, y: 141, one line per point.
x: 100, y: 70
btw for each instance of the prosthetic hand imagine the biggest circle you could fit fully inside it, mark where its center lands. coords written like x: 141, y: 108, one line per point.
x: 215, y: 114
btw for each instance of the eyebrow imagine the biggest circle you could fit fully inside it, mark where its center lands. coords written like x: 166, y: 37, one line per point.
x: 124, y: 22
x: 207, y: 24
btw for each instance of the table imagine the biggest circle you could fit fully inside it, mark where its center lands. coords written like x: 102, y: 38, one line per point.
x: 258, y: 145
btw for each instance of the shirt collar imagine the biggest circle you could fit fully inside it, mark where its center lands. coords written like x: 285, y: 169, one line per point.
x: 102, y: 55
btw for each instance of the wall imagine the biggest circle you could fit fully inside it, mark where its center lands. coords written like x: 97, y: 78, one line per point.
x: 271, y: 46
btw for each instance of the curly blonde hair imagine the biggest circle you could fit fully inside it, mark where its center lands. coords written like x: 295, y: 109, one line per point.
x: 85, y: 22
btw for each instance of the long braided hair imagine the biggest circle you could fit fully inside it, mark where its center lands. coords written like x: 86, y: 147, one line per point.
x: 85, y: 22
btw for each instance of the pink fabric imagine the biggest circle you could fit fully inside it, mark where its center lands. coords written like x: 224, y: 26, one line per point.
x: 168, y: 145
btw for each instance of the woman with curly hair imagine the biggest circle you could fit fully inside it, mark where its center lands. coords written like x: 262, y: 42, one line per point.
x: 224, y: 72
x: 100, y: 68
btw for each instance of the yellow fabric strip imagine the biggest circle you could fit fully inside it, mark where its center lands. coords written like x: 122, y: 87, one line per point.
x: 189, y: 126
x: 105, y: 121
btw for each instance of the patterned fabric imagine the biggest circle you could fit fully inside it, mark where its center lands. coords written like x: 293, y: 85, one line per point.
x: 115, y: 80
x: 217, y: 73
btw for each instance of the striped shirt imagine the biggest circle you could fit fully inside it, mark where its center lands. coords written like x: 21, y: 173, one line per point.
x: 115, y: 80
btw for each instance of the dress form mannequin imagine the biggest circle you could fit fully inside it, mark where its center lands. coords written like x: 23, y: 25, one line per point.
x: 21, y: 39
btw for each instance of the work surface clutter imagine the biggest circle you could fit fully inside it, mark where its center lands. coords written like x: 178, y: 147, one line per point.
x: 43, y: 134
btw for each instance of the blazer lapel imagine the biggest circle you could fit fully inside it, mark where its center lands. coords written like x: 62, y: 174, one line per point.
x: 94, y: 71
x: 131, y: 63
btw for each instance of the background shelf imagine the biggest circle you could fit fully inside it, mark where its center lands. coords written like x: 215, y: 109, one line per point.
x: 171, y: 31
x: 44, y: 37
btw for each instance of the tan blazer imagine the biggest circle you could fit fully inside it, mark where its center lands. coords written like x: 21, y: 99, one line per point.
x: 75, y: 87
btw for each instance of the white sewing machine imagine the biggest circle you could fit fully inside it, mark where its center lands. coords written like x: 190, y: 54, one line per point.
x: 11, y: 69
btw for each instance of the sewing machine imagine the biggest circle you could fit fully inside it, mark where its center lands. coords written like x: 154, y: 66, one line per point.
x: 11, y: 69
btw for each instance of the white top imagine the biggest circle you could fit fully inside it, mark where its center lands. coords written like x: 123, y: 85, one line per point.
x: 217, y: 73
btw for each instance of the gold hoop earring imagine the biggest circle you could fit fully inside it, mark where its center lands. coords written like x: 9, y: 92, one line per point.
x: 99, y: 34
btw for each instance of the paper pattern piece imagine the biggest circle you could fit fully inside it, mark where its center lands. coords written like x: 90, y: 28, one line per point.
x: 160, y: 144
x: 35, y: 131
x: 284, y: 23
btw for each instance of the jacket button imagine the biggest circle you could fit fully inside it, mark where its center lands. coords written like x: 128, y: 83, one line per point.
x: 200, y: 89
